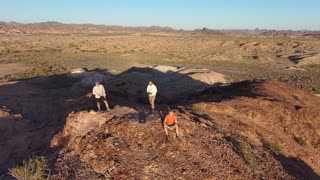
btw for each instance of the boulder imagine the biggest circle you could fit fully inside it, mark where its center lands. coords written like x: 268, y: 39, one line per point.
x: 165, y: 69
x: 77, y: 71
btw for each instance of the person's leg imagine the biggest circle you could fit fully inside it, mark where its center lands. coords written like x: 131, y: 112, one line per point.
x: 177, y: 130
x: 150, y: 100
x: 98, y: 105
x: 153, y: 98
x: 166, y: 129
x: 106, y: 104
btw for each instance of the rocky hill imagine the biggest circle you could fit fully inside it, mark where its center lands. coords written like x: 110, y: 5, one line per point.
x: 273, y: 33
x: 245, y: 130
x: 311, y: 34
x: 125, y: 144
x: 206, y: 31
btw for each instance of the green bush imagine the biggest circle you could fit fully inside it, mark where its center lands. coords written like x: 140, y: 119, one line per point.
x: 33, y: 169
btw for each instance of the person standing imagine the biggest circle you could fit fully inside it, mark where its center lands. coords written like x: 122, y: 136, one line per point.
x: 152, y: 92
x: 100, y: 96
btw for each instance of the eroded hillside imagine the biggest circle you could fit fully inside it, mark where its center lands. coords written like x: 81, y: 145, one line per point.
x: 246, y: 130
x: 173, y: 48
x: 130, y: 143
x: 293, y: 60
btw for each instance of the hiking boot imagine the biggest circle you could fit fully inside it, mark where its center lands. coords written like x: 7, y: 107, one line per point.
x: 178, y: 138
x: 167, y: 138
x: 108, y: 109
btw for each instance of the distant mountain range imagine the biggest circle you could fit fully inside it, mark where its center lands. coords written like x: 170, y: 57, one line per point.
x: 60, y: 28
x: 53, y: 27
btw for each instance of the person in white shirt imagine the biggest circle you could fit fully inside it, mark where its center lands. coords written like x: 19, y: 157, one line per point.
x: 100, y: 96
x: 152, y: 92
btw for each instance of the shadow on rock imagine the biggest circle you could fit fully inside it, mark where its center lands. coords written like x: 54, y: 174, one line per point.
x: 297, y: 168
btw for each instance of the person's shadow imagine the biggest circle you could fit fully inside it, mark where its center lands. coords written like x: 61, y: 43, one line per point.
x: 162, y: 114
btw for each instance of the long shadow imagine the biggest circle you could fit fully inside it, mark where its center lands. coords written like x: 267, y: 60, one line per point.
x: 173, y: 87
x: 297, y: 168
x: 162, y: 114
x: 221, y: 93
x: 40, y: 106
x: 47, y: 101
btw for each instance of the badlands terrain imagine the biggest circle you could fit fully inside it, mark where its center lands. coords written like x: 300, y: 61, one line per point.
x: 247, y: 102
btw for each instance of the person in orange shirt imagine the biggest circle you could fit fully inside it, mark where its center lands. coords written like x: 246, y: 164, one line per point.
x: 171, y: 123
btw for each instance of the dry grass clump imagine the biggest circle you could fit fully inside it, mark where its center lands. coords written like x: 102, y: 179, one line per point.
x: 32, y: 169
x: 275, y: 148
x: 300, y: 140
x: 248, y: 153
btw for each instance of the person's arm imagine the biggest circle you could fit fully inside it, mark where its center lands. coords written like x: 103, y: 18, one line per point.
x: 94, y: 91
x: 103, y: 91
x: 155, y: 90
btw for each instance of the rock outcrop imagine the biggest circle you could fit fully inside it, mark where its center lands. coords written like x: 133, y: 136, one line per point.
x: 259, y: 129
x: 246, y: 130
x: 124, y: 144
x: 270, y: 113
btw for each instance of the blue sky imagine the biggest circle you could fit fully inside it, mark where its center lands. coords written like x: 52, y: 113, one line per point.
x: 179, y: 14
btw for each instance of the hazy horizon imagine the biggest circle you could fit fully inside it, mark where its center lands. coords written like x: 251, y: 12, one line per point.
x: 177, y: 14
x: 155, y: 26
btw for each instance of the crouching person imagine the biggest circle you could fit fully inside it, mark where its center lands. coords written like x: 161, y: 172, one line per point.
x: 171, y: 123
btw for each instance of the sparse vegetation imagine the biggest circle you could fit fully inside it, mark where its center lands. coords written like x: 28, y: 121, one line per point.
x: 300, y: 140
x: 249, y: 155
x: 198, y: 109
x: 275, y: 148
x: 32, y: 169
x: 316, y: 90
x: 239, y: 58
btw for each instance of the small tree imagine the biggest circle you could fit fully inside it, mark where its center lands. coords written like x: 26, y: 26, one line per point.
x: 33, y: 169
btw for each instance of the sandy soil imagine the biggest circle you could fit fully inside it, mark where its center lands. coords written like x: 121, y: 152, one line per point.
x: 7, y: 69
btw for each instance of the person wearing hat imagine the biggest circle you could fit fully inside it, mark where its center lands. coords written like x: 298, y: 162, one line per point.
x: 152, y: 92
x: 100, y: 96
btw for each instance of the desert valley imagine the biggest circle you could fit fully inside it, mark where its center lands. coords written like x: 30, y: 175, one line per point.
x: 247, y: 101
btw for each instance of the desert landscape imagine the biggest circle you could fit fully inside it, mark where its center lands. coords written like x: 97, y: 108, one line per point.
x: 247, y: 101
x: 291, y: 58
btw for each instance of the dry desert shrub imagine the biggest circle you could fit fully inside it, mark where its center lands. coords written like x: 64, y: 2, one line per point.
x: 32, y: 169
